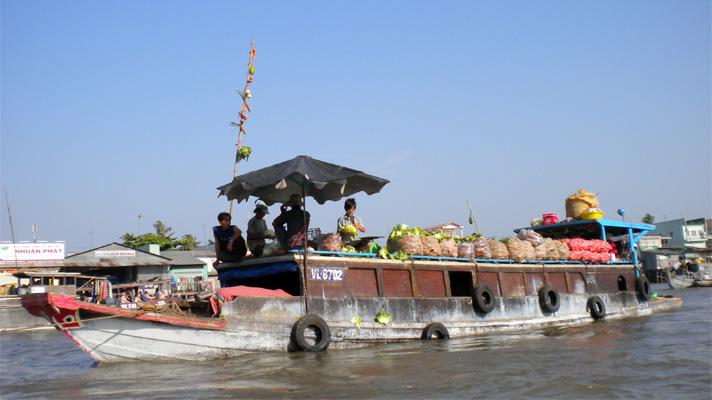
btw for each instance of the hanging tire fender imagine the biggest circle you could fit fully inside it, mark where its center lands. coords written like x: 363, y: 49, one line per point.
x: 322, y: 334
x: 596, y: 307
x: 549, y: 299
x: 435, y: 331
x: 642, y: 286
x: 483, y: 299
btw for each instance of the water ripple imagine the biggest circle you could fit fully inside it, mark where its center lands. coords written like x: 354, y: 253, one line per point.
x: 663, y: 356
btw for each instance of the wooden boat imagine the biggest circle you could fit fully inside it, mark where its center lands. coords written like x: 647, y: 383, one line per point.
x: 679, y: 281
x: 702, y: 283
x: 13, y: 318
x: 334, y: 300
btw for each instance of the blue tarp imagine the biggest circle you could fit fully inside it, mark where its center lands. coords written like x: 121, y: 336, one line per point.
x: 256, y: 271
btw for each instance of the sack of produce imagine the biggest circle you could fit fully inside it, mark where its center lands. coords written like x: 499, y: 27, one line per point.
x: 482, y: 248
x: 516, y: 249
x: 591, y: 250
x: 540, y: 252
x: 431, y: 246
x: 467, y: 250
x: 529, y: 253
x: 563, y: 250
x: 552, y: 251
x: 405, y: 239
x: 498, y: 250
x: 579, y: 202
x: 408, y: 244
x: 448, y: 248
x: 329, y: 242
x: 533, y: 237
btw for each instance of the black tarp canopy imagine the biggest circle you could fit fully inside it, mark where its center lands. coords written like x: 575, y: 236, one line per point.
x: 301, y: 175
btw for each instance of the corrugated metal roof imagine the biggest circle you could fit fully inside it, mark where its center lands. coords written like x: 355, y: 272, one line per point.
x: 181, y: 258
x: 115, y: 255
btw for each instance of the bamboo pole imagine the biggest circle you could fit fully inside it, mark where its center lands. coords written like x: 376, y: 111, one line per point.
x: 242, y: 115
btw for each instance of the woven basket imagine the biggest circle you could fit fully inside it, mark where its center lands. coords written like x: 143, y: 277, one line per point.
x: 574, y: 207
x: 580, y: 201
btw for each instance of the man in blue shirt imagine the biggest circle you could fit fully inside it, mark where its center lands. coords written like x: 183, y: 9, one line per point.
x: 229, y: 244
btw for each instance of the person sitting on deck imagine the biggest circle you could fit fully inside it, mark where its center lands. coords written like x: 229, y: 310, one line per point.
x: 349, y: 219
x: 159, y: 294
x: 293, y: 235
x: 229, y: 244
x: 257, y: 231
x: 124, y: 299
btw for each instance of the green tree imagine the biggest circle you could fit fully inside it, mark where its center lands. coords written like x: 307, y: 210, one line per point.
x: 162, y: 229
x: 648, y: 219
x: 163, y: 237
x: 187, y: 242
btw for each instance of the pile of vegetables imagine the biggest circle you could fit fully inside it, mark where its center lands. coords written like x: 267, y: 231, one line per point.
x: 348, y: 230
x: 384, y: 254
x: 469, y: 238
x: 348, y: 249
x: 405, y: 241
x: 402, y: 230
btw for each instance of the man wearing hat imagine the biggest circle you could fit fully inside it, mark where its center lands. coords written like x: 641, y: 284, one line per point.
x: 294, y: 218
x: 257, y: 230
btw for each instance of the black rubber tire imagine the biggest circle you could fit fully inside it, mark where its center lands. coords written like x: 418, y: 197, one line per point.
x: 435, y: 329
x: 323, y: 334
x: 549, y: 299
x: 596, y: 307
x: 642, y: 286
x: 483, y: 299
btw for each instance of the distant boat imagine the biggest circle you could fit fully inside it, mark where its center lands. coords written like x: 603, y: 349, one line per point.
x: 702, y: 283
x: 679, y: 281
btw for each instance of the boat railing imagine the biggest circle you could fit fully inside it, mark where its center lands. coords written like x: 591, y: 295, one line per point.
x: 457, y: 259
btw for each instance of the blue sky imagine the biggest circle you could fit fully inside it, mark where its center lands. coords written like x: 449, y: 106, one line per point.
x: 113, y: 109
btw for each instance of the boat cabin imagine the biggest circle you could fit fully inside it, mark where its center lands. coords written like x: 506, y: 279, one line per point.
x: 69, y: 283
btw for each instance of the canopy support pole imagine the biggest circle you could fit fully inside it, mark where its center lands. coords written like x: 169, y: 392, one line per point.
x: 304, y: 248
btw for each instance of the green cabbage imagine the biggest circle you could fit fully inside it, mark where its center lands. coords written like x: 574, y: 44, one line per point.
x: 383, y: 317
x: 349, y: 230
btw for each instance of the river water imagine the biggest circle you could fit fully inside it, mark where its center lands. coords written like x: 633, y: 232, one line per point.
x: 664, y: 356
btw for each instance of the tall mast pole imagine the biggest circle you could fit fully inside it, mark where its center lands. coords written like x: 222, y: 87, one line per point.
x: 243, y: 152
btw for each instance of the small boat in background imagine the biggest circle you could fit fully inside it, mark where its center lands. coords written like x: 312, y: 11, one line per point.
x: 702, y: 283
x: 679, y: 281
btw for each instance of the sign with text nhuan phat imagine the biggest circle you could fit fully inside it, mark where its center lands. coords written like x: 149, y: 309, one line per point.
x: 31, y: 252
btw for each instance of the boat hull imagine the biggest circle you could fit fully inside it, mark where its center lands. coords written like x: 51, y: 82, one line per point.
x: 262, y: 324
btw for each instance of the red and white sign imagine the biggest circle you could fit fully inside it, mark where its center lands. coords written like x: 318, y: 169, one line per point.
x: 24, y: 252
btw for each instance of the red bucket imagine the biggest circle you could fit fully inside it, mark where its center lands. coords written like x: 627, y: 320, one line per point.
x: 548, y: 219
